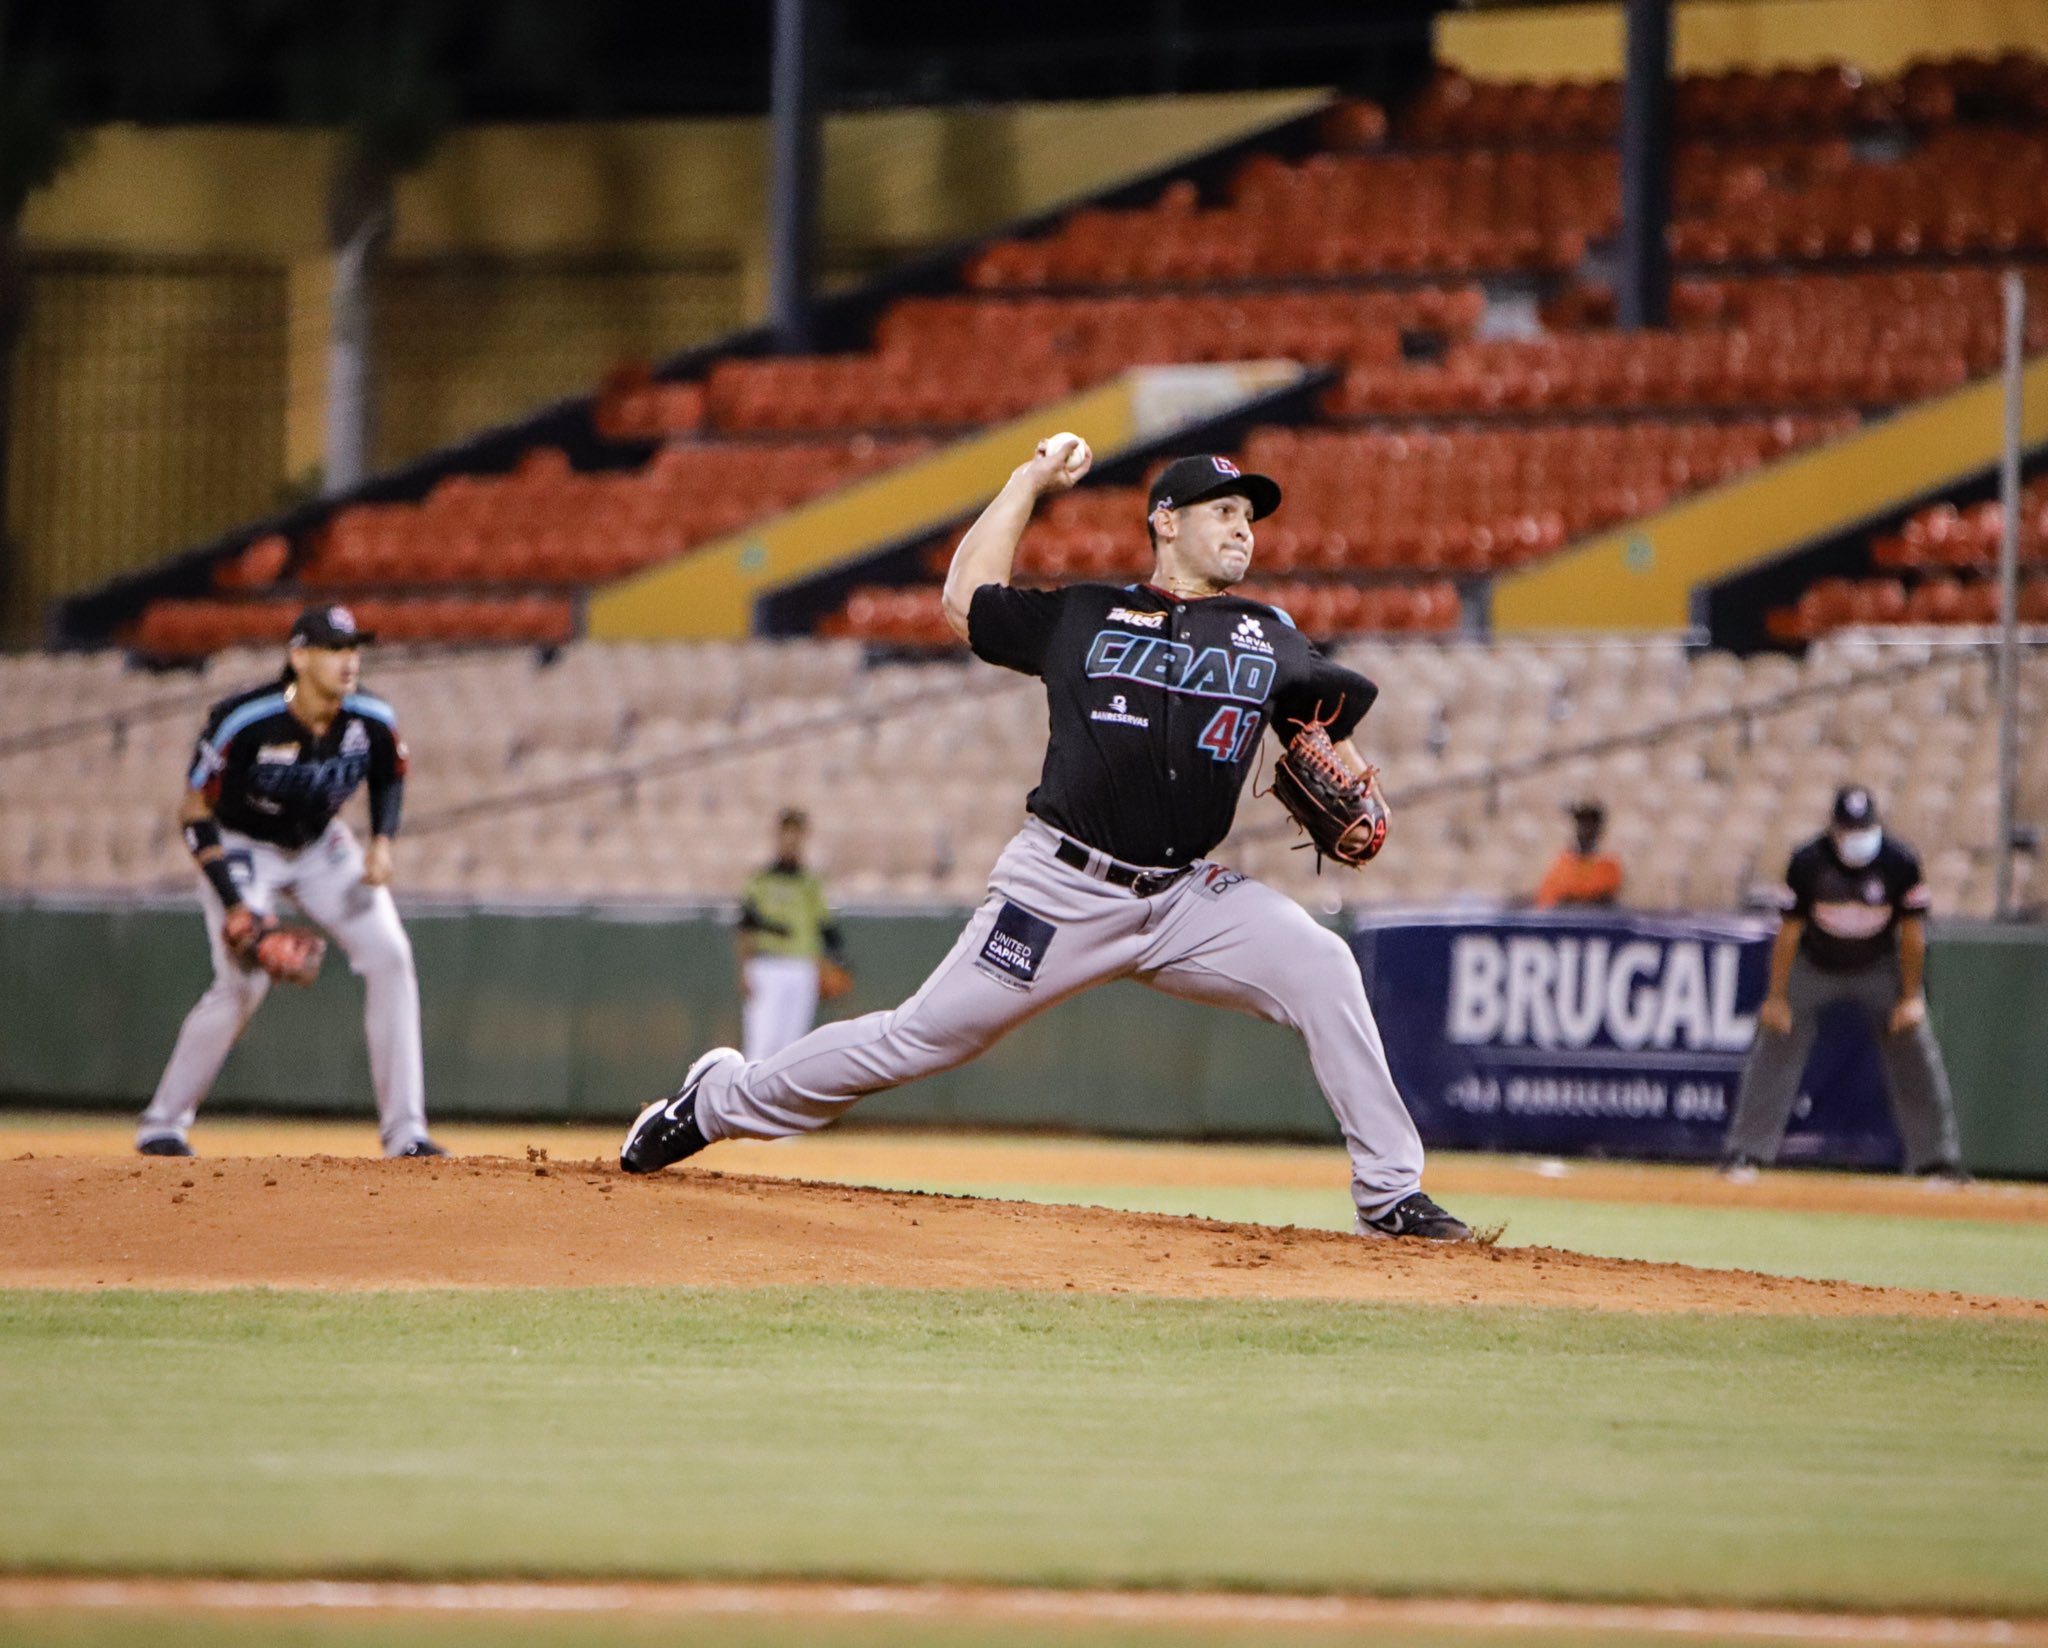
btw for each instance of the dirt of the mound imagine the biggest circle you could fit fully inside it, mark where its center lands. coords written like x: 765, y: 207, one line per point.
x: 972, y: 1161
x: 345, y: 1223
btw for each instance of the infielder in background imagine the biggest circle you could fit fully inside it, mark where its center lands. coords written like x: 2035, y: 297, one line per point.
x: 1855, y: 930
x: 1158, y: 696
x: 791, y: 952
x: 269, y: 773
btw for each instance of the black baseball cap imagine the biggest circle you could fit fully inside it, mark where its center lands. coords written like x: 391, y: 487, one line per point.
x: 1855, y: 808
x: 1189, y: 480
x: 328, y: 626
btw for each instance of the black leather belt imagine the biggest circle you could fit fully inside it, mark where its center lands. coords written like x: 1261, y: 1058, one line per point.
x: 1104, y: 868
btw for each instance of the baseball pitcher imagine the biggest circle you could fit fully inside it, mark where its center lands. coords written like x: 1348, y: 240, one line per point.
x: 1158, y: 695
x: 272, y: 768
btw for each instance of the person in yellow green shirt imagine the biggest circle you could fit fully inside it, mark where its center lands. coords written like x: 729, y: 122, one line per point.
x: 790, y: 946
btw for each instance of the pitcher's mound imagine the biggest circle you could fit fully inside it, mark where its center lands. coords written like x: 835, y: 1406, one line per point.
x: 335, y: 1222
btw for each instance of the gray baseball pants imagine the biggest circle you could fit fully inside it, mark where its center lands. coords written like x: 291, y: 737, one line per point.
x: 1912, y: 1064
x: 325, y: 879
x: 1048, y: 931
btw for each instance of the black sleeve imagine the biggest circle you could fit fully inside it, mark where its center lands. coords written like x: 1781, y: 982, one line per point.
x: 1799, y: 885
x: 1910, y: 896
x: 209, y: 760
x: 388, y: 764
x: 1012, y: 627
x: 1322, y: 691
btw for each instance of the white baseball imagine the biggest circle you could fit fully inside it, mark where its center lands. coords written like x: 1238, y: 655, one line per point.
x: 1076, y: 450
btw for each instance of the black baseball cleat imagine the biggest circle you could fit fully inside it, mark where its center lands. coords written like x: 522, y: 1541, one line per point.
x: 667, y: 1131
x: 1945, y: 1175
x: 420, y: 1147
x: 1418, y: 1217
x: 1741, y: 1169
x: 165, y: 1144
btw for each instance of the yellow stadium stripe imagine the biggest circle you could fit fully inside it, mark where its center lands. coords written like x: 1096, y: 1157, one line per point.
x: 1642, y: 576
x: 711, y: 591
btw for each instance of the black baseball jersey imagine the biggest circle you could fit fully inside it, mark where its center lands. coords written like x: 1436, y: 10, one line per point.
x: 266, y: 774
x: 1157, y: 706
x: 1852, y: 915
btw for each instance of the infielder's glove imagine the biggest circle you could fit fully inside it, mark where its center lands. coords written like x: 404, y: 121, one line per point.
x: 290, y: 955
x: 834, y: 980
x: 1343, y: 812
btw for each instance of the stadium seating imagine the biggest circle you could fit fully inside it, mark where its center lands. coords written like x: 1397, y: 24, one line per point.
x: 1364, y: 508
x: 1824, y: 101
x: 1835, y: 232
x: 1938, y: 569
x: 916, y: 773
x: 197, y: 628
x: 546, y: 524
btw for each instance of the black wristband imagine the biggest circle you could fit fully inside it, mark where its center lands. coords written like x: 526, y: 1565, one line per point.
x: 386, y: 804
x: 216, y: 872
x: 201, y: 835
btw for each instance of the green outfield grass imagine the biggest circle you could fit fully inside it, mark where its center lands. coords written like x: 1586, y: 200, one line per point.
x: 1965, y: 1255
x: 1010, y: 1438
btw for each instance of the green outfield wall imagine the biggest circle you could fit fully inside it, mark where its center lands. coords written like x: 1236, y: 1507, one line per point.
x: 584, y: 1015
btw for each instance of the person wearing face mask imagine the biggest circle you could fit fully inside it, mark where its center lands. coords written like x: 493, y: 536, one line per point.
x: 1855, y: 930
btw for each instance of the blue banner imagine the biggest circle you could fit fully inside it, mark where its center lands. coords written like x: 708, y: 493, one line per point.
x: 1602, y: 1033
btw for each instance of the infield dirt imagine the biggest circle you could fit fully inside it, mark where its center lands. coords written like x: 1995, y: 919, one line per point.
x: 358, y: 1223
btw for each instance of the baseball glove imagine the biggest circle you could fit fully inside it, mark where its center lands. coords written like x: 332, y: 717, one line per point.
x: 290, y: 955
x: 834, y: 980
x: 1343, y: 812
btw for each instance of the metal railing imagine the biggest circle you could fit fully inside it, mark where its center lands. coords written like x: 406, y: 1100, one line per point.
x: 1494, y: 778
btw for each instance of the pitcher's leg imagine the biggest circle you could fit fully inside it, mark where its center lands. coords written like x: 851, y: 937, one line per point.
x: 1255, y: 950
x: 364, y: 922
x: 966, y: 1005
x: 1770, y: 1080
x: 207, y: 1036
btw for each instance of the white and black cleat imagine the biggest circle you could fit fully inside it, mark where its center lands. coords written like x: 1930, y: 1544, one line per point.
x: 667, y: 1131
x: 1415, y: 1218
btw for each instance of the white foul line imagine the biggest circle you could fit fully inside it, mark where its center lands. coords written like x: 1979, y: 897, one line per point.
x: 1016, y: 1603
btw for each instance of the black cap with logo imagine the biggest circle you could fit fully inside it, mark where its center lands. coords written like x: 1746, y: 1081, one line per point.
x: 1855, y: 808
x: 1189, y: 480
x: 328, y: 626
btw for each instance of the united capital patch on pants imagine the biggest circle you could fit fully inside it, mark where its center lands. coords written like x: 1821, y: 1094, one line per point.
x: 1016, y: 948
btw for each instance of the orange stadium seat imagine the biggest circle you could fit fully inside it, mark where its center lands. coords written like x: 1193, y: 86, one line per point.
x: 195, y: 628
x: 261, y: 564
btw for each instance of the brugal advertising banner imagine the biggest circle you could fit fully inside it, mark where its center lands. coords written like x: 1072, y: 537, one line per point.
x: 1602, y: 1033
